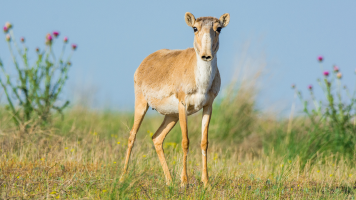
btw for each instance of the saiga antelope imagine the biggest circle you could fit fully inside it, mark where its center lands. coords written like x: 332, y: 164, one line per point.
x: 178, y: 83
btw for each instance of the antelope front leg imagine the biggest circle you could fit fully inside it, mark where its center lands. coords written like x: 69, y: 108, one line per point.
x: 207, y: 110
x: 185, y: 141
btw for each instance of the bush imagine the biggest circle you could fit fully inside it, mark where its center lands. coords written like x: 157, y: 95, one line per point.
x: 330, y: 128
x: 36, y: 89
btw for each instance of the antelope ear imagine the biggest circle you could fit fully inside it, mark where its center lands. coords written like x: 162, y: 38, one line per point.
x: 224, y: 19
x: 189, y: 19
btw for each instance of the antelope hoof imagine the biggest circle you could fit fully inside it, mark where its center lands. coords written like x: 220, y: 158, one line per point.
x: 206, y: 184
x: 184, y: 185
x: 122, y: 178
x: 205, y: 181
x: 168, y: 182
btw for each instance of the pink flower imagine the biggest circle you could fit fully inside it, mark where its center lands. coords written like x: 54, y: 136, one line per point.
x: 22, y: 39
x: 320, y: 58
x: 310, y: 87
x: 74, y: 46
x: 5, y: 29
x: 8, y: 25
x: 49, y: 38
x: 336, y: 68
x: 8, y: 37
x: 65, y: 40
x: 326, y: 73
x: 339, y: 75
x: 55, y: 33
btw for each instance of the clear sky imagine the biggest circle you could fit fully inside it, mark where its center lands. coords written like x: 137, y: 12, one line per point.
x: 113, y: 38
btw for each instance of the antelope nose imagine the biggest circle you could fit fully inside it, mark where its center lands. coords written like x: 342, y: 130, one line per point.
x: 206, y: 58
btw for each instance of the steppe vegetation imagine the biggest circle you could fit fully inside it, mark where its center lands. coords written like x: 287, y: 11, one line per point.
x: 251, y: 155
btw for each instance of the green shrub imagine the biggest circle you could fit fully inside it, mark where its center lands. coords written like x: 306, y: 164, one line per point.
x: 329, y: 127
x: 35, y: 91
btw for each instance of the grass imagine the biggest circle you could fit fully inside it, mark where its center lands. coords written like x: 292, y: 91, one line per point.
x: 83, y: 155
x: 251, y: 155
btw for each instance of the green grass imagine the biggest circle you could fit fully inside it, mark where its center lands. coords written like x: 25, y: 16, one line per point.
x: 251, y: 155
x: 83, y: 156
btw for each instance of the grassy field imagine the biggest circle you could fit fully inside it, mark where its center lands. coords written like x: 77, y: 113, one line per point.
x: 251, y: 155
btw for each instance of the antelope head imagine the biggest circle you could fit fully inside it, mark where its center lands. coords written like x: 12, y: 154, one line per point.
x: 206, y: 31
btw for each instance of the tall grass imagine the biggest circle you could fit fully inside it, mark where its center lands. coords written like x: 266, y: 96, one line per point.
x: 83, y: 156
x: 251, y: 155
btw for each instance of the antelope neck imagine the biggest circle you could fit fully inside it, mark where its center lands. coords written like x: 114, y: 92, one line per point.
x: 205, y: 73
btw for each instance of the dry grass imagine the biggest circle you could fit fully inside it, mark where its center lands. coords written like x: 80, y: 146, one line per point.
x: 251, y: 156
x: 85, y: 157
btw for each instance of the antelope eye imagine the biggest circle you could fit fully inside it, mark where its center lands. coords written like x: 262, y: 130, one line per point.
x: 195, y: 29
x: 218, y: 29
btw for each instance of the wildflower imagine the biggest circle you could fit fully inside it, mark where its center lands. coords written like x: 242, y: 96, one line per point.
x: 118, y: 142
x: 293, y: 86
x: 54, y: 192
x: 310, y: 87
x: 326, y: 73
x: 336, y: 68
x: 72, y: 150
x: 49, y: 38
x: 318, y: 171
x: 104, y: 191
x: 320, y: 58
x: 22, y: 39
x: 66, y: 148
x: 8, y: 38
x: 291, y: 189
x: 65, y: 40
x: 114, y: 162
x: 8, y: 25
x: 37, y: 49
x: 331, y: 175
x: 55, y: 33
x: 5, y: 29
x: 69, y: 63
x: 339, y: 75
x: 144, y: 156
x: 149, y: 132
x: 74, y: 46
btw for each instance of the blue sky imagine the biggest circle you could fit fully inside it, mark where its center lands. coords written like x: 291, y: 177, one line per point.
x: 113, y: 38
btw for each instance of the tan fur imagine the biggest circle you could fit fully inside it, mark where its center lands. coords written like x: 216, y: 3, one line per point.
x: 170, y: 73
x: 178, y: 83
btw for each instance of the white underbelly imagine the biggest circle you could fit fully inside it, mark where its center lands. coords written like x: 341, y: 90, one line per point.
x: 169, y: 105
x: 166, y: 106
